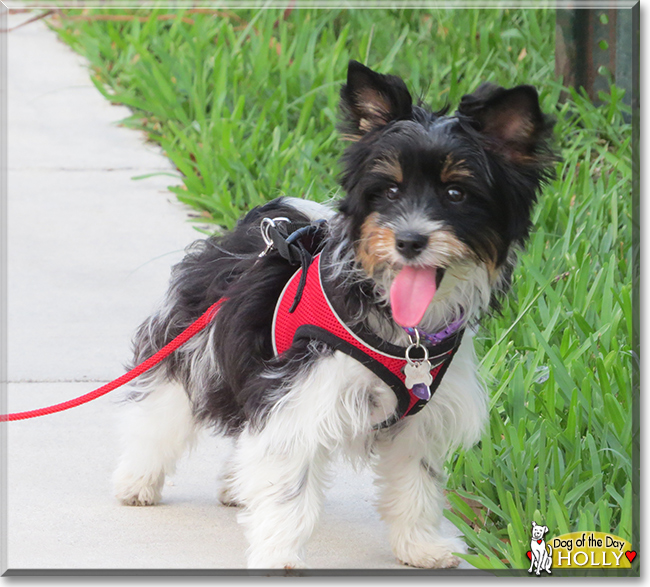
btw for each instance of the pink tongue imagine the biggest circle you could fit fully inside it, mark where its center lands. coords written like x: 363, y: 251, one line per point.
x: 411, y: 294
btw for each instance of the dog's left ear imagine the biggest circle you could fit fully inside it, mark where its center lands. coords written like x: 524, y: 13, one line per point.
x: 511, y: 119
x: 370, y: 100
x: 545, y: 529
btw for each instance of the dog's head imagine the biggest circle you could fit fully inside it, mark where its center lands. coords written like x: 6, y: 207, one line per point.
x: 436, y: 203
x: 539, y: 531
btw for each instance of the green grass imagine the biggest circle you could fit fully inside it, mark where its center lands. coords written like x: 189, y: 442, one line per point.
x: 559, y: 360
x: 238, y: 102
x: 245, y: 105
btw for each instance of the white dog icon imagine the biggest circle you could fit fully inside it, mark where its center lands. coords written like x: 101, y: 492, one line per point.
x: 540, y: 558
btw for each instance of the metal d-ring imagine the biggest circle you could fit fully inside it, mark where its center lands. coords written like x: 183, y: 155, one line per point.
x: 265, y: 226
x: 415, y: 345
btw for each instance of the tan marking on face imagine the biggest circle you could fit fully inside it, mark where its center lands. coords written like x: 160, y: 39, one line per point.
x: 390, y: 167
x: 446, y: 245
x: 376, y: 245
x: 491, y: 255
x: 454, y: 170
x: 494, y: 274
x: 350, y: 137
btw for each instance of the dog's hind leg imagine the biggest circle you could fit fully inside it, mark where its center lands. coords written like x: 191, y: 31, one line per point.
x: 157, y: 430
x: 549, y: 559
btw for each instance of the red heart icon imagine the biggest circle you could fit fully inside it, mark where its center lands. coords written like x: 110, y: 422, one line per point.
x: 539, y: 542
x: 631, y: 555
x: 529, y: 555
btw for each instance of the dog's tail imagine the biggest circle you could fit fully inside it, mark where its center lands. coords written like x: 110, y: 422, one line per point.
x: 550, y: 551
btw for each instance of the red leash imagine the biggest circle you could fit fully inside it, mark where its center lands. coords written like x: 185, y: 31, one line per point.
x: 192, y: 330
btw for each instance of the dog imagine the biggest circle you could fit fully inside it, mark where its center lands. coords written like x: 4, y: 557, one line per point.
x: 434, y: 209
x: 541, y: 558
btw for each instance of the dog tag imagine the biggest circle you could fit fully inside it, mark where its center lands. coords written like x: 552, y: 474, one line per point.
x: 418, y: 372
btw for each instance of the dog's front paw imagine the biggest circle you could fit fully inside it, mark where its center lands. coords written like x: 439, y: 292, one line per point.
x: 140, y: 491
x: 436, y: 554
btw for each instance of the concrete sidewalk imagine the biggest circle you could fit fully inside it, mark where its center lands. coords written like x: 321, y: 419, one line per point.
x: 89, y: 256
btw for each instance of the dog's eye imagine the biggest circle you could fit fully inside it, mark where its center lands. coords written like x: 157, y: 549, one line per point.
x: 392, y: 193
x: 455, y: 195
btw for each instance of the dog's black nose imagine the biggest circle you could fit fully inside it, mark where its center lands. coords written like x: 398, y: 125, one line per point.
x: 411, y: 244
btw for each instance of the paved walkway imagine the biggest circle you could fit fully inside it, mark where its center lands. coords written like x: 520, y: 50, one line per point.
x: 89, y: 256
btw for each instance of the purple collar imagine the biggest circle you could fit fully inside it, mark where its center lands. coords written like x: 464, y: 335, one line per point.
x: 436, y: 337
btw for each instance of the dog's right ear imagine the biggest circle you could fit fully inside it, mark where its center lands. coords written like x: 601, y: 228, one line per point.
x: 370, y: 100
x: 510, y: 119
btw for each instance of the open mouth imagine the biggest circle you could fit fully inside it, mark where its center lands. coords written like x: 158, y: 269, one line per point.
x: 412, y: 291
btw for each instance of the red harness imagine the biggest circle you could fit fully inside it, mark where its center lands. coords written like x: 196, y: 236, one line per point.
x: 315, y: 318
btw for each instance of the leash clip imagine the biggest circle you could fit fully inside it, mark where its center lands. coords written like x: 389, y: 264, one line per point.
x: 265, y: 226
x: 414, y: 343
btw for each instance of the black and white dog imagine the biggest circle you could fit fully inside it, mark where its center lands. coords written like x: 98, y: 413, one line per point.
x: 435, y: 207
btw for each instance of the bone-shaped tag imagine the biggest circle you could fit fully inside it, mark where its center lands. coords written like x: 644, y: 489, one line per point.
x: 418, y: 372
